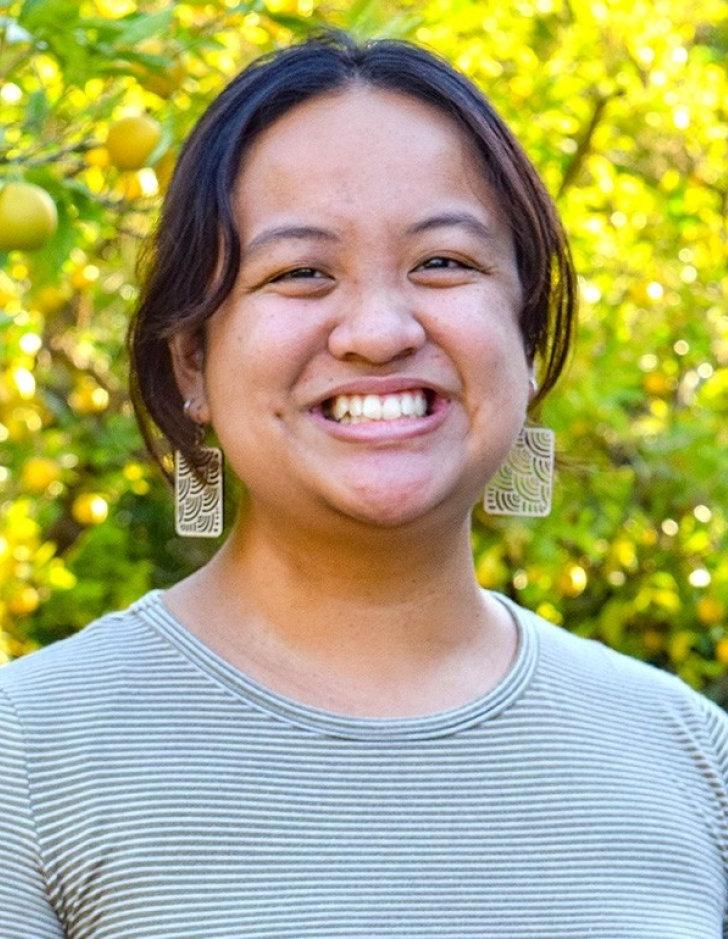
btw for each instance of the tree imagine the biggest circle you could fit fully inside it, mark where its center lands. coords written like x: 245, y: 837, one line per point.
x: 621, y: 105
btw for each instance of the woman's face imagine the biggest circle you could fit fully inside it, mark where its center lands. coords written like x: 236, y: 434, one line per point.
x: 375, y: 261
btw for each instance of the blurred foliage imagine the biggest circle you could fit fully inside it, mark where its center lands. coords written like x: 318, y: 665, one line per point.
x: 621, y: 104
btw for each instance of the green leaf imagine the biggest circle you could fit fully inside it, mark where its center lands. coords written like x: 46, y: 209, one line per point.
x: 104, y: 30
x: 254, y: 6
x: 300, y: 25
x: 155, y: 62
x: 36, y: 111
x: 143, y: 25
x: 360, y: 12
x: 41, y: 16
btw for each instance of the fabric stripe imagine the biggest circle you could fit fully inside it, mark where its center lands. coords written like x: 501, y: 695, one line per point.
x: 149, y: 789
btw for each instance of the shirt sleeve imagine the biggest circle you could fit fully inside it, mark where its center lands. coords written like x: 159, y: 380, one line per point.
x: 716, y: 725
x: 24, y: 907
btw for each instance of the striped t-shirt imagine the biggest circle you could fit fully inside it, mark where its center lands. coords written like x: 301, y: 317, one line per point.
x: 150, y: 789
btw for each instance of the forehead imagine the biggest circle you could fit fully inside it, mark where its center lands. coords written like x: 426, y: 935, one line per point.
x: 361, y: 150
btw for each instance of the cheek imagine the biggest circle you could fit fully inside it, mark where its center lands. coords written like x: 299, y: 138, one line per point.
x: 257, y: 350
x: 485, y: 340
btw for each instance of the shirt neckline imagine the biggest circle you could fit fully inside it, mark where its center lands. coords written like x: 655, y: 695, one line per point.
x: 153, y: 611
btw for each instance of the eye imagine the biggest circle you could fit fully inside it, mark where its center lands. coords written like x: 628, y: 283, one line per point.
x: 440, y: 263
x: 299, y: 273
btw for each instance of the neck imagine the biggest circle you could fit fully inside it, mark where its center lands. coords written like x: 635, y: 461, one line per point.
x: 359, y: 565
x: 365, y: 620
x: 390, y: 602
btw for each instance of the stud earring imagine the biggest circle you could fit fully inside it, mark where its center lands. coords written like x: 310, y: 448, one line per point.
x: 523, y: 484
x: 198, y: 498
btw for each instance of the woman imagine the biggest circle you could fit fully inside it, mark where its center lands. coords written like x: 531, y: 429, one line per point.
x: 330, y: 729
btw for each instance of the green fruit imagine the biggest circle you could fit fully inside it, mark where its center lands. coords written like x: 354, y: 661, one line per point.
x: 28, y: 216
x: 131, y: 141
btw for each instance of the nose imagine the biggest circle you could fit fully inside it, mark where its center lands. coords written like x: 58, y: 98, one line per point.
x: 377, y: 326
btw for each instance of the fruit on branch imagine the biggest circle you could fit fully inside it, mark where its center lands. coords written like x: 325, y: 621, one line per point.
x: 132, y: 140
x: 28, y: 216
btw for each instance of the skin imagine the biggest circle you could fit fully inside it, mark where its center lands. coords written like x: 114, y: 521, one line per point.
x: 347, y: 582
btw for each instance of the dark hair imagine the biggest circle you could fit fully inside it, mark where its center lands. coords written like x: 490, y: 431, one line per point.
x: 196, y: 235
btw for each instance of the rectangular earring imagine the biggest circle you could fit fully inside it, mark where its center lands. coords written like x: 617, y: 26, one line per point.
x: 198, y: 505
x: 523, y: 484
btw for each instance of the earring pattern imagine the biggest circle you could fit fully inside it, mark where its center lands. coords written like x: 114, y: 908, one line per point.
x: 198, y: 496
x: 523, y: 484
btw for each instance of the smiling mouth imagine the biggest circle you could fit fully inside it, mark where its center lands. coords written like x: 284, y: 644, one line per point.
x: 411, y: 404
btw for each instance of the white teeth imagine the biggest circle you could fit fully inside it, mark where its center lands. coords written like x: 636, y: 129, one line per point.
x: 391, y: 408
x: 372, y: 407
x: 355, y: 409
x: 341, y: 407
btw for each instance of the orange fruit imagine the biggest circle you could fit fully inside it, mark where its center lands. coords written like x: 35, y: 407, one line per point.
x: 710, y: 610
x: 38, y: 473
x: 90, y: 508
x: 50, y: 299
x: 25, y: 601
x: 572, y: 581
x: 657, y: 383
x: 88, y: 398
x: 721, y: 650
x: 97, y: 156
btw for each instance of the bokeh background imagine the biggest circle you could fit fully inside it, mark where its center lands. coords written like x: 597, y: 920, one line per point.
x: 621, y: 106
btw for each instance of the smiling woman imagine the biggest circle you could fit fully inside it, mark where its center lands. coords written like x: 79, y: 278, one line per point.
x: 361, y: 287
x: 407, y: 281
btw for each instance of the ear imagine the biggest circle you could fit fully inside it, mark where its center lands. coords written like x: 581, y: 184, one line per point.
x: 188, y: 358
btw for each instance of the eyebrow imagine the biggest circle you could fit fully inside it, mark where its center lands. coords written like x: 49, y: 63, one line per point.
x: 282, y: 232
x: 306, y: 232
x: 453, y: 219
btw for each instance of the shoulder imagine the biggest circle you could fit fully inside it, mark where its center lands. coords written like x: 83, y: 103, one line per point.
x: 84, y: 664
x: 591, y: 658
x: 604, y: 680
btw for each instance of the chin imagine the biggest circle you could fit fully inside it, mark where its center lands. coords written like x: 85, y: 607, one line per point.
x: 395, y: 517
x: 392, y: 509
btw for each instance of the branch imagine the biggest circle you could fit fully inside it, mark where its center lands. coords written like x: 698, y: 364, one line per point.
x: 64, y: 531
x: 584, y: 146
x: 28, y: 160
x: 13, y: 64
x: 59, y: 349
